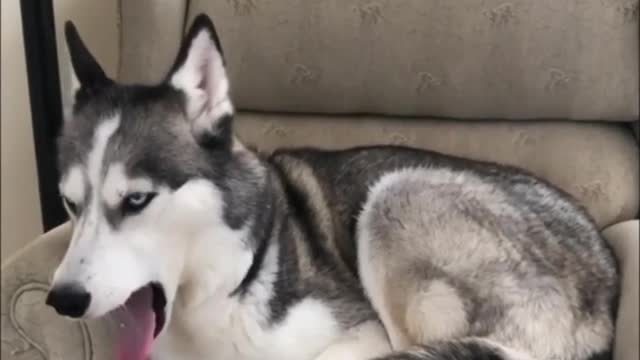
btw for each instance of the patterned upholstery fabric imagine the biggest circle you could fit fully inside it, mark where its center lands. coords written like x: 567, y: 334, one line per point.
x: 478, y: 61
x: 493, y: 59
x: 31, y: 330
x: 150, y: 35
x: 568, y: 154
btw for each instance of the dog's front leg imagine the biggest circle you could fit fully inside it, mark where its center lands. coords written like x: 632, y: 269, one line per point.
x: 365, y: 341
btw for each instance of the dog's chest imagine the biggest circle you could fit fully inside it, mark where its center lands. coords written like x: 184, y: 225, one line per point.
x: 243, y: 333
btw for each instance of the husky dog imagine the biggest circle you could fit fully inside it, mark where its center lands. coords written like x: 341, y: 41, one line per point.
x: 205, y: 249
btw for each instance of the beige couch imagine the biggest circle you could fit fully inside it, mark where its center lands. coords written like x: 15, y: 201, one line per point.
x: 548, y: 85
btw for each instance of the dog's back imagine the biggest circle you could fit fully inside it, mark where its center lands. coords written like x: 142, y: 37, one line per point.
x: 464, y: 259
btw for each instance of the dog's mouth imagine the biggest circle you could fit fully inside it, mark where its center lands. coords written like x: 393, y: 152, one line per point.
x: 140, y: 320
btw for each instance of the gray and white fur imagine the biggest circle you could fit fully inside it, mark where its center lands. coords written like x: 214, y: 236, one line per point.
x: 378, y: 252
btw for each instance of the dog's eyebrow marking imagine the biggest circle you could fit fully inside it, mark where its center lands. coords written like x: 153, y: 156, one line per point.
x: 117, y: 184
x: 139, y: 185
x: 89, y: 224
x: 72, y: 185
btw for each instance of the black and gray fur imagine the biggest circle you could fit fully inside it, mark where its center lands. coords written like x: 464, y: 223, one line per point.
x: 524, y: 260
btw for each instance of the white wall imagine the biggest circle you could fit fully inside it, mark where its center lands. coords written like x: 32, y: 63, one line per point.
x: 97, y: 22
x: 20, y: 201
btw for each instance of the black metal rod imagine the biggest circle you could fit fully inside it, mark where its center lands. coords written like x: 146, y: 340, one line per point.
x: 46, y: 106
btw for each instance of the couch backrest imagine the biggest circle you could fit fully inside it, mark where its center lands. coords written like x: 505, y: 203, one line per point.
x: 519, y: 59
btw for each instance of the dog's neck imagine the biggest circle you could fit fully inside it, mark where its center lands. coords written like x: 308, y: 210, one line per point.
x: 226, y: 316
x: 250, y: 265
x: 262, y: 235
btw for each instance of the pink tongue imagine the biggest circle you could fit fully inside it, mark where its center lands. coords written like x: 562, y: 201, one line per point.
x: 136, y: 321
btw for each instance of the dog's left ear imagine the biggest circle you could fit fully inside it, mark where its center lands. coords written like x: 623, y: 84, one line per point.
x: 87, y: 76
x: 199, y: 72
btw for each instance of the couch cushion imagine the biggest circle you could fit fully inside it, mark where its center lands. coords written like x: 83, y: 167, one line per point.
x: 32, y: 330
x: 460, y: 59
x: 150, y: 35
x: 596, y: 162
x: 623, y: 238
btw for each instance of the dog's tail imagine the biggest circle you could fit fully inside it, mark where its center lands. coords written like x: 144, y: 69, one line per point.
x: 461, y: 349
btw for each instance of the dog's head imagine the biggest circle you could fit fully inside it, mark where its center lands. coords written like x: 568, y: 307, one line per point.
x: 155, y: 184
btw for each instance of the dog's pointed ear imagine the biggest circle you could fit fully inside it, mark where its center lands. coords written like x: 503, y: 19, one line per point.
x: 199, y: 72
x: 86, y: 73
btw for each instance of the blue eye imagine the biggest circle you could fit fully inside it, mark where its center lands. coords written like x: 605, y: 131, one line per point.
x: 135, y: 202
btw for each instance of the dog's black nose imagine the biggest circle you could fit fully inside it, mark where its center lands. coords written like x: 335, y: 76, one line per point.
x: 69, y: 300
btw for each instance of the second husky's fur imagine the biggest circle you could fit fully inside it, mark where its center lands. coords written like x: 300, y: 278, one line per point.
x: 371, y: 252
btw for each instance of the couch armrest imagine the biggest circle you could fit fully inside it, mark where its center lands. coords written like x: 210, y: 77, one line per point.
x: 624, y: 239
x: 32, y: 330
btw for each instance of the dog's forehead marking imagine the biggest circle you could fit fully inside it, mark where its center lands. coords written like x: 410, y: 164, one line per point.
x: 74, y: 182
x: 95, y: 159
